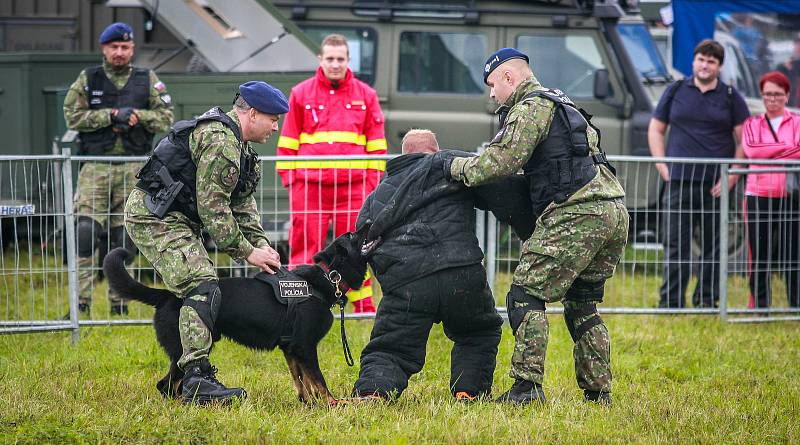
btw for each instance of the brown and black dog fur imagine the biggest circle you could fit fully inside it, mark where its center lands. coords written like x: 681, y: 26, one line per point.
x: 251, y: 315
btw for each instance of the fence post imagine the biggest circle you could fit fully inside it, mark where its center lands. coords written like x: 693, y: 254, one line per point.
x: 491, y: 249
x: 480, y: 228
x: 69, y: 231
x: 724, y: 206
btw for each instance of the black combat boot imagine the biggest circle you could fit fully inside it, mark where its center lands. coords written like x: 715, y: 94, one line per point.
x: 523, y: 392
x: 119, y: 309
x: 200, y: 385
x: 600, y: 397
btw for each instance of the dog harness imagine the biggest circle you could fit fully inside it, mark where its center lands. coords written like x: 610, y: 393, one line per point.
x: 290, y: 290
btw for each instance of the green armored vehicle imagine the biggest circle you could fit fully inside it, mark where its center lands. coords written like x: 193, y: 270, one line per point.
x: 425, y: 59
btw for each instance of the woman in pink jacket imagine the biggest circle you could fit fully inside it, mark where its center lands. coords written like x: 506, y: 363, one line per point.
x: 771, y: 213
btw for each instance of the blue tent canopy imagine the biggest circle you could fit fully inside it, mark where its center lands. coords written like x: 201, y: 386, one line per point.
x: 694, y: 21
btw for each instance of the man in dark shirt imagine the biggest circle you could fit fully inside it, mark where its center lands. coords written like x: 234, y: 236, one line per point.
x: 706, y: 117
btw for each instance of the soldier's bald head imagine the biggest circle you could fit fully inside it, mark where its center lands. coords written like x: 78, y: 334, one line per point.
x: 420, y: 141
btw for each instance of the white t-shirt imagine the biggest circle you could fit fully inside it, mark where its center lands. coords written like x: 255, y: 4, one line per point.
x: 775, y: 123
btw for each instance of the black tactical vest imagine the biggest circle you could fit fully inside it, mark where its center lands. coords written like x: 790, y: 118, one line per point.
x: 561, y: 164
x: 173, y: 152
x: 104, y: 94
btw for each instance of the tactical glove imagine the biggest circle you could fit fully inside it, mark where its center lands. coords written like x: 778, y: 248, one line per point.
x: 120, y: 120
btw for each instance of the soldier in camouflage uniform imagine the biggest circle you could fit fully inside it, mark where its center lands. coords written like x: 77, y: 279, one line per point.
x: 581, y: 229
x: 203, y: 176
x: 116, y: 108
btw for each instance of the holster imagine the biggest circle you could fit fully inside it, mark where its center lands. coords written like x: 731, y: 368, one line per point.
x: 159, y: 204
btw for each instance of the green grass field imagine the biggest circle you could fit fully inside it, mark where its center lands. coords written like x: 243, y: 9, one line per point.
x: 677, y: 379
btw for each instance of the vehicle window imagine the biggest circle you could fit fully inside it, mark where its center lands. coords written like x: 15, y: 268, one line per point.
x: 642, y: 51
x: 433, y: 62
x: 662, y: 44
x: 362, y: 43
x: 564, y: 62
x: 735, y: 71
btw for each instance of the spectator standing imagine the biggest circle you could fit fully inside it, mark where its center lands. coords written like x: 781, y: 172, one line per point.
x: 771, y: 212
x: 117, y: 108
x: 705, y: 117
x: 332, y: 113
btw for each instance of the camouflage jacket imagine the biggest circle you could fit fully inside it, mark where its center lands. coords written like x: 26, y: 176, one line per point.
x: 234, y: 224
x: 526, y: 125
x: 79, y: 117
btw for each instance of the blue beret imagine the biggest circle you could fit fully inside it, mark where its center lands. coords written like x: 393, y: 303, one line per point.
x: 264, y: 97
x: 500, y: 56
x: 116, y: 32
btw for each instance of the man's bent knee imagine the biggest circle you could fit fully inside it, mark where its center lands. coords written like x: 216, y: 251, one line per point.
x: 88, y: 233
x: 206, y: 300
x: 518, y: 303
x: 580, y: 318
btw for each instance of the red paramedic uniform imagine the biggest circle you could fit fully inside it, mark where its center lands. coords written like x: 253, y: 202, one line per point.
x: 324, y: 120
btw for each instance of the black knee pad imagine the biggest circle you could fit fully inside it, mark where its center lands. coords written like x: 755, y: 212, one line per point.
x: 516, y: 314
x: 586, y: 291
x: 119, y: 238
x: 208, y: 309
x: 571, y: 316
x: 88, y: 236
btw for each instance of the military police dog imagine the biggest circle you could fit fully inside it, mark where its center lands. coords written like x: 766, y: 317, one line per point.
x: 254, y: 314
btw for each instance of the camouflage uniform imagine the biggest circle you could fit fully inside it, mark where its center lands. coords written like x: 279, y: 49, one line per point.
x: 581, y: 238
x: 103, y: 187
x: 174, y: 244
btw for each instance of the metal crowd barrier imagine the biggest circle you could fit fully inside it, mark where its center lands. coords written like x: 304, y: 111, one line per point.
x: 40, y: 269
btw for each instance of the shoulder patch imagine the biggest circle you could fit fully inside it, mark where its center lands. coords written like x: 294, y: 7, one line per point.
x: 166, y: 98
x: 159, y: 86
x: 228, y: 176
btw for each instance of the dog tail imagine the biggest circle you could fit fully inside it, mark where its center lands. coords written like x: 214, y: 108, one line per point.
x: 120, y: 280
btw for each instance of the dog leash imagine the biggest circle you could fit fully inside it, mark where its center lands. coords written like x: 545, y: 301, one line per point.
x: 334, y: 277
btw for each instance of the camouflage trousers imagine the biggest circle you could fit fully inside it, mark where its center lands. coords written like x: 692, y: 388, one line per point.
x: 174, y: 247
x: 101, y: 194
x: 578, y: 242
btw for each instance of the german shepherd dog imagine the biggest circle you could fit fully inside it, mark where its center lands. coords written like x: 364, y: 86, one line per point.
x: 252, y: 316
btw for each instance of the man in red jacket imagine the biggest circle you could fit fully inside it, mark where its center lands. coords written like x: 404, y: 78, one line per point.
x: 330, y: 114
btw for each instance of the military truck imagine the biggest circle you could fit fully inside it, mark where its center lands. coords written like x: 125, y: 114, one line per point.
x: 424, y: 59
x: 426, y: 62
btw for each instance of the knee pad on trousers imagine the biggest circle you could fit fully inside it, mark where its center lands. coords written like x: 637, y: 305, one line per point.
x: 88, y: 236
x: 586, y: 291
x: 571, y: 316
x: 206, y: 300
x: 517, y: 314
x: 119, y: 238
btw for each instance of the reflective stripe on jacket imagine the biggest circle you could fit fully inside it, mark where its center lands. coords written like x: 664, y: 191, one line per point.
x: 324, y: 120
